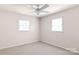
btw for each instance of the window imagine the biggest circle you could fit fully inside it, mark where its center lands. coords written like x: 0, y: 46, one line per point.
x: 57, y: 25
x: 24, y: 25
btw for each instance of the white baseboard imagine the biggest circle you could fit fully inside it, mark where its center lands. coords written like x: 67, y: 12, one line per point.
x: 18, y: 45
x: 67, y: 49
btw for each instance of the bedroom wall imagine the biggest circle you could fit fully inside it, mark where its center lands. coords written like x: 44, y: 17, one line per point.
x: 9, y: 34
x: 69, y: 39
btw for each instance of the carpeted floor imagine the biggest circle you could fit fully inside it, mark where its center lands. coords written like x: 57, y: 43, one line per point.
x: 37, y: 48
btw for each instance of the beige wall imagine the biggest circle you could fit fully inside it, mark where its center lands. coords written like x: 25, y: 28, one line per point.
x: 69, y: 39
x: 9, y: 34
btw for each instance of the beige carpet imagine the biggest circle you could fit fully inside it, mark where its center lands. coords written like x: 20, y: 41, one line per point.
x: 37, y: 48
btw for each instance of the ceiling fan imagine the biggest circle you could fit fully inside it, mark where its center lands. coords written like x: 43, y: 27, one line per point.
x: 39, y: 8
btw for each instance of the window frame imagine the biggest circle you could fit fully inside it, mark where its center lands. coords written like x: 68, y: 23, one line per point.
x: 62, y: 24
x: 23, y: 30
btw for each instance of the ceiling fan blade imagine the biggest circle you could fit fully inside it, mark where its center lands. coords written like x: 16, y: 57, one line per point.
x: 37, y: 13
x: 45, y: 6
x: 45, y: 11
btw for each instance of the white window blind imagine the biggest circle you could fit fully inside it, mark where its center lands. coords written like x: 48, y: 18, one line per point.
x: 24, y: 25
x: 57, y: 24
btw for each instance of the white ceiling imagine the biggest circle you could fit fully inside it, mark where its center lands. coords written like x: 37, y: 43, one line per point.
x: 27, y: 10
